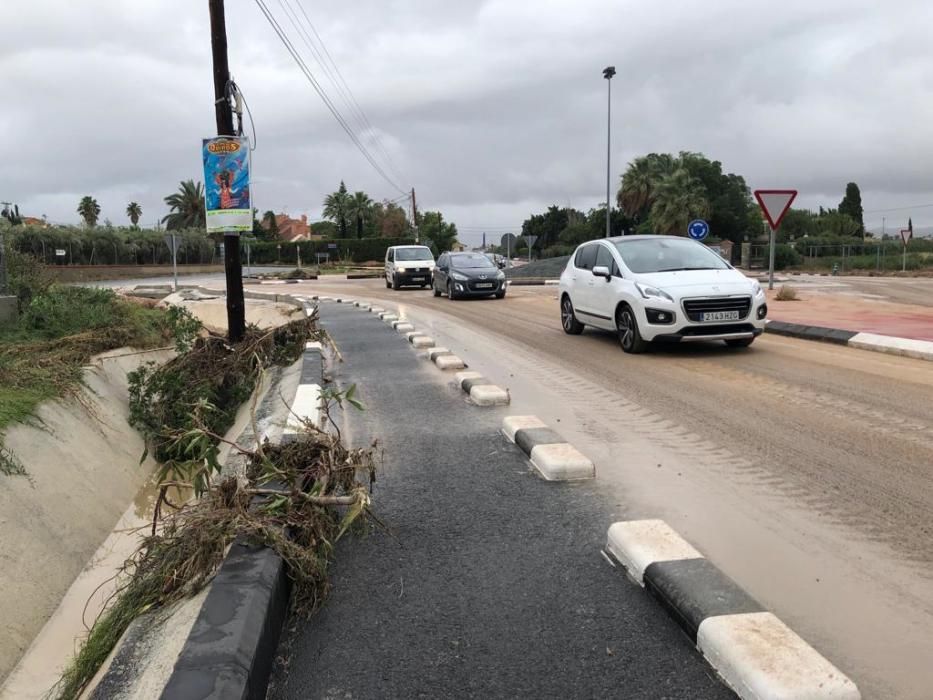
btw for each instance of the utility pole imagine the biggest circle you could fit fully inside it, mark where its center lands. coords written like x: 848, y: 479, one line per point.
x: 414, y: 216
x: 236, y: 308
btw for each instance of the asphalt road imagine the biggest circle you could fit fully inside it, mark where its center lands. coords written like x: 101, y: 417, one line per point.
x: 803, y: 469
x: 491, y: 584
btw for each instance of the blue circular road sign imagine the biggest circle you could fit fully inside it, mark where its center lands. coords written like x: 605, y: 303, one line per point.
x: 698, y: 229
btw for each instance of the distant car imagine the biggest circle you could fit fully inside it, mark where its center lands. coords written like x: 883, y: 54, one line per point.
x: 497, y: 260
x: 659, y: 288
x: 467, y: 275
x: 408, y: 265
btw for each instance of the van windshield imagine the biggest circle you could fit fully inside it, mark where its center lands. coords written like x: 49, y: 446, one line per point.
x: 413, y: 254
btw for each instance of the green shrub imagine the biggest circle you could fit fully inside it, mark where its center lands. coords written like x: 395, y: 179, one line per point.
x: 784, y: 256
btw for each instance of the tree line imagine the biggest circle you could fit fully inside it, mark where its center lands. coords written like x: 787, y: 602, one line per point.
x: 661, y: 193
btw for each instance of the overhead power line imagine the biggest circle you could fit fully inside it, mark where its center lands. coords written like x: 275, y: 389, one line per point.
x: 882, y: 211
x: 350, y: 99
x: 296, y: 55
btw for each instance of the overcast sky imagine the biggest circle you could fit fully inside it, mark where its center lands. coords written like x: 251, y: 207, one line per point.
x: 492, y: 110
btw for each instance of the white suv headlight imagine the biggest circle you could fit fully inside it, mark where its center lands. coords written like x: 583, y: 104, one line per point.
x: 501, y: 275
x: 649, y: 292
x: 459, y: 277
x: 757, y: 290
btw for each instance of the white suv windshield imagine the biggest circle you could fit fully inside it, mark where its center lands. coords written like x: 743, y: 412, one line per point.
x: 413, y: 254
x: 667, y: 255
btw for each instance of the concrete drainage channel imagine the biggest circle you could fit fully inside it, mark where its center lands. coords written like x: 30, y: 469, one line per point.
x: 756, y: 654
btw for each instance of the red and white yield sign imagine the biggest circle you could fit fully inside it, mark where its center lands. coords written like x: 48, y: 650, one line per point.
x: 775, y: 203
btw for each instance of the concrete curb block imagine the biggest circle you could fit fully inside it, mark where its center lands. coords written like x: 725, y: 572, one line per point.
x: 389, y: 317
x: 489, y: 395
x: 231, y: 647
x: 892, y: 345
x: 403, y: 327
x: 376, y: 310
x: 796, y: 330
x: 436, y: 352
x: 553, y: 457
x: 905, y: 347
x: 306, y: 408
x: 756, y: 654
x: 448, y: 361
x: 420, y: 342
x: 531, y: 281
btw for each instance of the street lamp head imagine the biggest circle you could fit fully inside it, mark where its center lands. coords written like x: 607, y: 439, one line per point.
x: 608, y: 72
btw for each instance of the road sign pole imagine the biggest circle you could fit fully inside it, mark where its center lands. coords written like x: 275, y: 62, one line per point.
x: 774, y: 205
x: 771, y: 261
x: 175, y: 262
x: 904, y: 259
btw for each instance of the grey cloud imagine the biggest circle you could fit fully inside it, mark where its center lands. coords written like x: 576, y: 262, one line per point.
x: 490, y: 109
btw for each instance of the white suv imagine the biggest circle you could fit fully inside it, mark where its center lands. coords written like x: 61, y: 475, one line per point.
x: 659, y: 288
x: 409, y: 264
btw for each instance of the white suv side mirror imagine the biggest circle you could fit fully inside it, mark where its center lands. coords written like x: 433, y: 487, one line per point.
x: 602, y: 271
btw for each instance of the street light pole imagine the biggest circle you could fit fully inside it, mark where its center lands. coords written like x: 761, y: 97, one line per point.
x: 608, y: 72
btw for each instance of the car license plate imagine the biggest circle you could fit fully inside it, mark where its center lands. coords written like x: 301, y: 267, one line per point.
x: 417, y: 279
x: 484, y: 285
x: 721, y: 316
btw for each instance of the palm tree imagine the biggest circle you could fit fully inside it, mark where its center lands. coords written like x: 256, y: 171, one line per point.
x: 89, y: 210
x: 272, y: 226
x: 640, y: 183
x: 360, y: 210
x: 135, y: 212
x: 337, y: 208
x: 187, y: 207
x: 679, y: 197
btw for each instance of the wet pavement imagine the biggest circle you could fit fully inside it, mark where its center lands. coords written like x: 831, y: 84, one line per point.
x: 492, y: 582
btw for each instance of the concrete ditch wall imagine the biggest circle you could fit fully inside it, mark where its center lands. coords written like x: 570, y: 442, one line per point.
x: 84, y: 468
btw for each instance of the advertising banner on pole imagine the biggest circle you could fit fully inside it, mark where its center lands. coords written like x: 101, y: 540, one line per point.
x: 226, y: 184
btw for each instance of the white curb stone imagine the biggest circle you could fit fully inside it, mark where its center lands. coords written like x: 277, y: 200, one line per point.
x: 376, y: 310
x: 761, y: 658
x: 906, y: 347
x: 448, y: 362
x: 314, y: 346
x: 512, y: 424
x: 306, y: 407
x: 388, y: 317
x: 404, y: 327
x: 411, y: 334
x: 420, y: 342
x: 433, y: 353
x: 639, y: 543
x: 561, y: 462
x: 489, y: 395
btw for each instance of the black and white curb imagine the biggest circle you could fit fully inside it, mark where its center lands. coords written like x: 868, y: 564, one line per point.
x: 756, y: 654
x: 905, y: 347
x: 306, y: 408
x: 481, y: 391
x: 444, y: 359
x: 553, y: 457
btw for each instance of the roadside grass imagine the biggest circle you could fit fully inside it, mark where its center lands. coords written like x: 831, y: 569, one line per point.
x: 42, y: 354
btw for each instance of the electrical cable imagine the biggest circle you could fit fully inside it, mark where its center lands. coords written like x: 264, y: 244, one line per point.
x: 273, y: 22
x: 349, y: 92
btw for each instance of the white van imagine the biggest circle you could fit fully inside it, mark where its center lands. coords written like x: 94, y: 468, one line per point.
x: 408, y: 265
